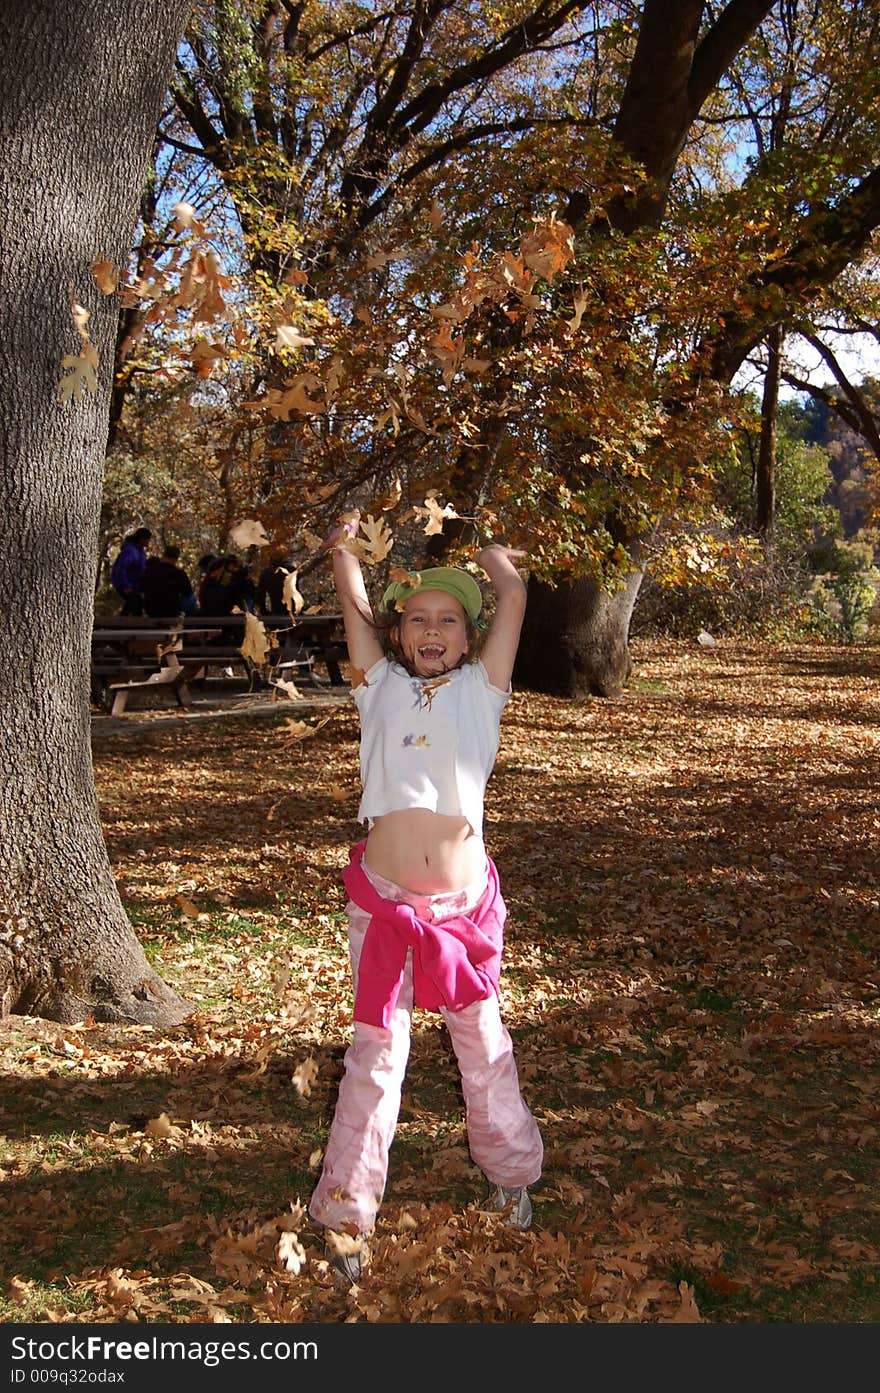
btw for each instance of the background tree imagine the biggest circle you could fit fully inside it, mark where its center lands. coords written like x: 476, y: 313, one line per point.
x: 81, y: 92
x: 685, y: 254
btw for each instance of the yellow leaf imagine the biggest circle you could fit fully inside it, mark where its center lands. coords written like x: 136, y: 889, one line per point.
x: 292, y: 598
x: 378, y: 542
x: 190, y: 910
x: 435, y: 515
x: 82, y: 373
x: 256, y: 641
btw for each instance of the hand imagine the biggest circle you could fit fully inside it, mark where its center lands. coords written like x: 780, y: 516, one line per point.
x: 345, y: 531
x: 512, y: 554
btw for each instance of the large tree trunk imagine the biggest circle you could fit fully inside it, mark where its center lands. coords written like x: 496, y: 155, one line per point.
x: 575, y: 639
x: 80, y: 90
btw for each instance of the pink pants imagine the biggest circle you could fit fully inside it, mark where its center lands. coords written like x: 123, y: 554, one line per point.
x: 502, y: 1134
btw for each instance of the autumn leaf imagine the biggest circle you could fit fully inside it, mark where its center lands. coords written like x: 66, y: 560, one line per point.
x: 161, y: 1127
x: 187, y: 219
x: 82, y: 374
x: 357, y: 676
x: 248, y: 533
x: 378, y: 540
x: 435, y: 515
x: 290, y: 689
x: 391, y: 499
x: 302, y: 730
x: 304, y: 1076
x: 82, y: 367
x: 288, y: 337
x: 191, y: 910
x: 204, y: 357
x: 580, y: 304
x: 295, y: 397
x: 290, y: 1254
x: 256, y: 643
x: 292, y: 598
x: 105, y: 275
x: 311, y: 540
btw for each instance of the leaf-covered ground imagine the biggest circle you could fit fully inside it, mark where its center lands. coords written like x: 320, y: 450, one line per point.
x: 691, y: 980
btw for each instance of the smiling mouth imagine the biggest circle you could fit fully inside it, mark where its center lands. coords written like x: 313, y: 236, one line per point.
x: 431, y: 652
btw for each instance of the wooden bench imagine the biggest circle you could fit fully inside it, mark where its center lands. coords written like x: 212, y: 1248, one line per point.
x: 172, y: 675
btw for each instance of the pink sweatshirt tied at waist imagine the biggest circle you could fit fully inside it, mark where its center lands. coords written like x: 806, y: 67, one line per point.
x: 455, y: 962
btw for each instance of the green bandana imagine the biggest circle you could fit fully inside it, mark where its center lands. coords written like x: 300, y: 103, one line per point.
x: 446, y: 578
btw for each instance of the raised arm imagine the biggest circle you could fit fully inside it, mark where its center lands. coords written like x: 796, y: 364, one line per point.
x: 364, y: 648
x: 499, y: 649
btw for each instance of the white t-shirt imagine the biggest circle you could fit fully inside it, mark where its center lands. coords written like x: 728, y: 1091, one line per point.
x: 427, y: 742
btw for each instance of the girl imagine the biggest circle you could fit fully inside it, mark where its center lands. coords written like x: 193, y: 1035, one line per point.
x: 425, y: 911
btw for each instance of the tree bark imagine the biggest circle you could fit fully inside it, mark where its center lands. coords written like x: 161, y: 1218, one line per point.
x: 575, y: 638
x: 79, y: 98
x: 765, y: 483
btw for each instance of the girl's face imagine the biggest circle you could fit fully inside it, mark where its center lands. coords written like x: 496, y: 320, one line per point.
x: 433, y: 633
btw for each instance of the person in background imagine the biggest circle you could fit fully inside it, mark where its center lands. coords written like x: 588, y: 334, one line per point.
x: 127, y: 571
x: 270, y: 584
x: 225, y: 586
x: 167, y: 588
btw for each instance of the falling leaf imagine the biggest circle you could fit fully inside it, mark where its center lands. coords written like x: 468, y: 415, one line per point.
x: 404, y: 577
x: 82, y: 370
x: 290, y: 1254
x: 290, y: 689
x: 190, y: 910
x: 339, y: 794
x: 161, y: 1127
x: 391, y: 499
x: 580, y: 305
x: 288, y: 337
x: 435, y: 515
x: 105, y: 275
x: 256, y: 643
x: 248, y: 533
x: 311, y: 540
x: 378, y: 539
x: 204, y: 357
x: 292, y: 598
x: 304, y: 1076
x: 187, y: 219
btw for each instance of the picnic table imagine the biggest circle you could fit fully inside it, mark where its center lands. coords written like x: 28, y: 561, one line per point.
x: 143, y: 653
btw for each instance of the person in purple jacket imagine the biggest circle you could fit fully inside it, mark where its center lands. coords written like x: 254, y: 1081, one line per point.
x: 426, y: 916
x: 127, y: 571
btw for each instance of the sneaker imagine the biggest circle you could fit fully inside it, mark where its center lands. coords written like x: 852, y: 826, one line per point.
x: 346, y: 1255
x: 518, y: 1203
